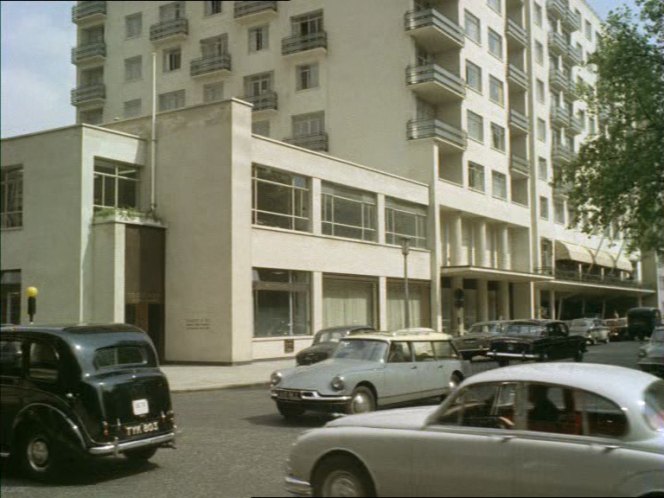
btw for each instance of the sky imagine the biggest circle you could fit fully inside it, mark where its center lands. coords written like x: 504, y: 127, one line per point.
x: 37, y: 73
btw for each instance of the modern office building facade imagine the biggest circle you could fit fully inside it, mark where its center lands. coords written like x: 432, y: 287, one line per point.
x: 297, y: 144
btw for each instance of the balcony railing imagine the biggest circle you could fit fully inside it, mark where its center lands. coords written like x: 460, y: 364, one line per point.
x: 520, y: 164
x: 572, y: 89
x: 574, y: 55
x: 205, y: 65
x: 591, y: 278
x: 576, y: 125
x: 248, y: 8
x: 318, y: 141
x: 88, y: 93
x: 166, y: 29
x: 571, y: 21
x: 300, y: 43
x: 88, y: 51
x: 561, y: 153
x: 557, y: 43
x: 556, y: 8
x: 434, y: 128
x: 433, y: 73
x: 516, y: 32
x: 87, y: 9
x: 264, y: 101
x: 557, y: 79
x: 517, y: 76
x: 424, y: 18
x: 560, y: 116
x: 518, y: 120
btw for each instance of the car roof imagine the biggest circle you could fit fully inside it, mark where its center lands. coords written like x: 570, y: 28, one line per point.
x: 79, y: 328
x: 534, y: 321
x: 402, y: 335
x: 342, y: 328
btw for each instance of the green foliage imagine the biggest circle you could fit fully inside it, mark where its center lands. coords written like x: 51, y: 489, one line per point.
x: 618, y: 174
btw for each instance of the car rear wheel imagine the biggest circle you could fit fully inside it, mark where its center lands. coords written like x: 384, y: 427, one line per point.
x: 38, y: 458
x: 290, y: 412
x: 340, y: 475
x: 362, y: 401
x: 141, y: 455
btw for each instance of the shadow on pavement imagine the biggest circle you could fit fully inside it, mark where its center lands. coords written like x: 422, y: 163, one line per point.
x: 308, y: 420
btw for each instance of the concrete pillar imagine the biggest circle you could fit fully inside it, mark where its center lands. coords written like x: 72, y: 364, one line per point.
x: 483, y: 299
x: 380, y: 217
x: 552, y: 304
x: 504, y: 299
x: 481, y: 246
x: 457, y: 313
x: 382, y: 304
x: 504, y: 250
x: 316, y: 202
x: 317, y: 300
x: 456, y: 240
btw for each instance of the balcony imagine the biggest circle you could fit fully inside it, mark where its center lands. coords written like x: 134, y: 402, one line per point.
x: 556, y: 8
x: 450, y: 136
x: 557, y: 79
x: 173, y: 29
x: 517, y: 77
x: 520, y: 165
x: 561, y: 154
x: 560, y: 117
x: 433, y: 31
x: 303, y: 43
x: 264, y: 102
x: 572, y: 89
x: 574, y: 55
x: 571, y: 21
x: 557, y: 43
x: 594, y: 278
x: 88, y: 12
x: 210, y: 65
x: 90, y: 52
x: 88, y: 94
x: 576, y: 125
x: 434, y: 83
x: 518, y: 123
x: 318, y: 141
x: 516, y: 33
x: 255, y: 11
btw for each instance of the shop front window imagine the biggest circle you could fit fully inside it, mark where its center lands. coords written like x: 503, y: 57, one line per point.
x: 281, y: 303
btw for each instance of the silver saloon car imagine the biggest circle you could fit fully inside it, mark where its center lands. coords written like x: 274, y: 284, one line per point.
x: 543, y: 429
x: 371, y: 370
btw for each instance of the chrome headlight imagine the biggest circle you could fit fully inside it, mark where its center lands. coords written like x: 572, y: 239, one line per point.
x: 275, y: 378
x: 338, y: 383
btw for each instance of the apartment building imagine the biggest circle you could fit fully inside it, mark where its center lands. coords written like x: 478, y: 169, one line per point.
x: 298, y: 144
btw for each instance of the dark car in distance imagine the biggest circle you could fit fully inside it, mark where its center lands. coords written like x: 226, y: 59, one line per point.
x: 642, y: 321
x: 326, y: 341
x: 651, y: 355
x: 539, y: 340
x: 478, y: 338
x: 80, y: 391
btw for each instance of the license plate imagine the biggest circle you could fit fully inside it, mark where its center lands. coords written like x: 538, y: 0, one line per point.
x: 140, y: 406
x: 144, y: 428
x: 290, y: 395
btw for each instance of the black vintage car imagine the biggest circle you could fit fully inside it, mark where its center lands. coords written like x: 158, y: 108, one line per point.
x: 83, y: 390
x: 540, y: 340
x: 326, y: 341
x: 642, y: 321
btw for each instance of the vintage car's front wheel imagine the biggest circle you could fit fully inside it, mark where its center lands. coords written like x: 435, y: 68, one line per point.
x: 362, y: 401
x: 340, y: 475
x: 37, y: 452
x: 141, y: 455
x: 289, y: 411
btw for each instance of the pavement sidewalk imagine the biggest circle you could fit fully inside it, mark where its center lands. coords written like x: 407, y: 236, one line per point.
x: 183, y: 378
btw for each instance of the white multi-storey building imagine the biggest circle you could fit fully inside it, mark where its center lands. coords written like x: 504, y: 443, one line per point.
x: 439, y: 122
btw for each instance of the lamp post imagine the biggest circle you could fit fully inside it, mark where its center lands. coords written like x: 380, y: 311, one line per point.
x: 405, y: 249
x: 32, y: 302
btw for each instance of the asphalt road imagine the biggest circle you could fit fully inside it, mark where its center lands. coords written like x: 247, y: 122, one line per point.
x: 233, y: 444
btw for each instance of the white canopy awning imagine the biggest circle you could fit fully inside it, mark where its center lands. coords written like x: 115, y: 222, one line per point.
x: 603, y: 258
x: 623, y: 263
x: 573, y: 252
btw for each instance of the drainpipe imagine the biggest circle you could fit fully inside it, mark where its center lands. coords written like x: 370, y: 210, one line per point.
x: 153, y: 137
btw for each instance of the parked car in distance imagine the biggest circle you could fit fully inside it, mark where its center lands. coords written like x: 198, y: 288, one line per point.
x: 80, y: 391
x: 550, y: 429
x: 617, y: 329
x: 651, y: 355
x: 594, y: 330
x: 326, y: 341
x: 371, y: 370
x: 478, y: 338
x: 642, y: 321
x: 540, y: 340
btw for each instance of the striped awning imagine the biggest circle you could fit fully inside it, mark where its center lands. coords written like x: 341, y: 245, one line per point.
x: 623, y: 263
x: 603, y: 258
x: 573, y: 252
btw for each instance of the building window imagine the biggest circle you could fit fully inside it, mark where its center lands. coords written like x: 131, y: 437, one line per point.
x: 476, y: 177
x: 280, y: 199
x: 497, y: 137
x: 258, y: 84
x: 306, y: 76
x: 419, y: 304
x: 115, y: 185
x: 213, y: 92
x: 212, y: 7
x: 349, y: 301
x: 537, y: 13
x: 473, y: 30
x: 475, y: 126
x: 544, y: 208
x: 474, y: 76
x: 258, y: 38
x: 10, y: 296
x: 12, y: 197
x: 132, y: 108
x: 589, y: 31
x: 494, y: 4
x: 133, y: 25
x: 92, y: 35
x: 261, y: 128
x: 539, y: 53
x: 496, y: 92
x: 93, y: 76
x: 171, y: 100
x: 498, y: 185
x: 541, y: 130
x: 307, y: 24
x: 348, y: 212
x: 172, y: 59
x: 171, y: 11
x: 214, y: 46
x: 93, y: 116
x: 404, y: 219
x: 281, y: 302
x: 306, y: 125
x: 133, y: 68
x: 581, y: 115
x: 559, y: 211
x: 495, y: 44
x: 539, y: 90
x: 542, y: 169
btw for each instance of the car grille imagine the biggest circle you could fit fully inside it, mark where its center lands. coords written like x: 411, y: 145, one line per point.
x: 510, y: 347
x: 293, y: 394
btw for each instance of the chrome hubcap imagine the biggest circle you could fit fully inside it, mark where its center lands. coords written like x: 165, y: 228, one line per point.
x: 342, y: 483
x: 361, y: 404
x: 38, y: 453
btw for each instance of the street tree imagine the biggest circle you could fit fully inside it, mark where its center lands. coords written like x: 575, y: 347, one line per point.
x: 617, y: 177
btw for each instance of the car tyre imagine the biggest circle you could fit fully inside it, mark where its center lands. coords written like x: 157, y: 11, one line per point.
x: 340, y: 475
x: 362, y: 401
x: 38, y: 454
x: 290, y: 412
x: 141, y: 455
x: 578, y: 357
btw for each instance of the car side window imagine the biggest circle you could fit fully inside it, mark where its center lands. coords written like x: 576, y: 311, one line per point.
x: 482, y: 405
x: 399, y: 352
x: 11, y: 358
x: 444, y: 350
x: 603, y: 418
x: 43, y: 362
x: 423, y: 351
x: 552, y: 409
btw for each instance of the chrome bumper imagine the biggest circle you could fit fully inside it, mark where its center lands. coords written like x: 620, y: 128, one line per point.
x: 311, y: 396
x: 297, y: 487
x: 117, y: 447
x: 530, y: 356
